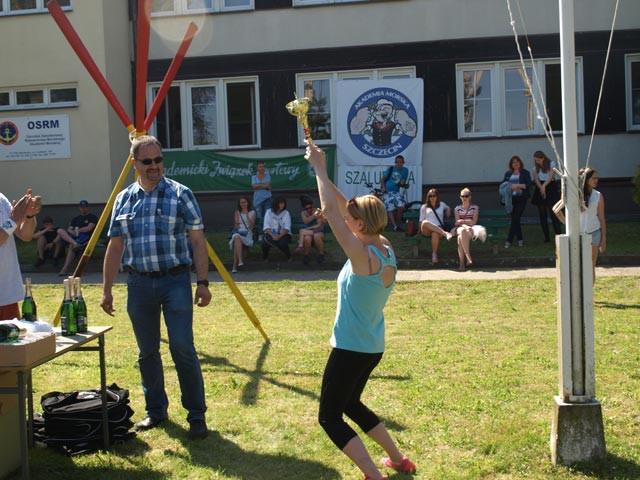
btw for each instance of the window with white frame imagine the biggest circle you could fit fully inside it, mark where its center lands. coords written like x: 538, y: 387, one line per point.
x: 319, y: 88
x: 16, y: 7
x: 188, y: 7
x: 23, y: 98
x: 494, y: 99
x: 632, y: 65
x: 208, y: 114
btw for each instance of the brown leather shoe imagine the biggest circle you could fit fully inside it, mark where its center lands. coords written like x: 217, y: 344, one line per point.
x: 148, y: 423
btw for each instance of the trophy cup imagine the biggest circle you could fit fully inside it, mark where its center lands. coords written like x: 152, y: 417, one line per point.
x: 298, y: 108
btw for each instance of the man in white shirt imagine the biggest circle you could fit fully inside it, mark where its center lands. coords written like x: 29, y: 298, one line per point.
x: 17, y: 219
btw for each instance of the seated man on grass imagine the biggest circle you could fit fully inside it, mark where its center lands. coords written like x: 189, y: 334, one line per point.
x: 77, y: 234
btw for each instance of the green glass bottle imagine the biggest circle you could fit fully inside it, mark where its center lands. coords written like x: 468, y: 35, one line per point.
x: 80, y: 307
x: 67, y: 314
x: 9, y: 332
x: 29, y: 310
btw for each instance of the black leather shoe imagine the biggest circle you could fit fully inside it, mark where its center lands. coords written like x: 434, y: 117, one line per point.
x: 148, y: 423
x: 198, y: 429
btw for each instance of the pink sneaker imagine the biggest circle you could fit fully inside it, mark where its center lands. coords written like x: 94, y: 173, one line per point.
x: 406, y: 465
x: 299, y: 248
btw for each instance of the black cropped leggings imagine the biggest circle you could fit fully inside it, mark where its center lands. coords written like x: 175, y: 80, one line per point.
x: 344, y: 379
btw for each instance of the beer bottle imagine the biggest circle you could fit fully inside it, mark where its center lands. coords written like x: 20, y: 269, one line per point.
x: 67, y: 314
x: 29, y: 311
x: 80, y: 307
x: 9, y: 332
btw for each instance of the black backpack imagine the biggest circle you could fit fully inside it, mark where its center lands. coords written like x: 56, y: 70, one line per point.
x: 72, y: 422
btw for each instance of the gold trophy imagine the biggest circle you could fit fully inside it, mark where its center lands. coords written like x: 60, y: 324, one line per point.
x: 299, y: 108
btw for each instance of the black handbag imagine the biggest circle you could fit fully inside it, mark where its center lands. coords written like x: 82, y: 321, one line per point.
x: 446, y: 226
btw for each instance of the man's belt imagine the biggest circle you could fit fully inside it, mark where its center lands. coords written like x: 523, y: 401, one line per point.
x: 160, y: 273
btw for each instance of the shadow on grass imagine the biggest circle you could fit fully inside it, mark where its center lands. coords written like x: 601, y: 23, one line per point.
x: 611, y: 468
x: 51, y: 464
x: 616, y: 306
x: 251, y: 389
x: 224, y: 456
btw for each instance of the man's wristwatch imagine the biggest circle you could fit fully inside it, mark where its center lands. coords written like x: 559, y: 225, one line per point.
x: 203, y: 282
x: 9, y: 226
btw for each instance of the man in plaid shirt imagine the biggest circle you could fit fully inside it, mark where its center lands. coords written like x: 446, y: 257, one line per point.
x: 154, y: 223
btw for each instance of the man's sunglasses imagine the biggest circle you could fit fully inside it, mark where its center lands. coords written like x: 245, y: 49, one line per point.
x: 149, y: 161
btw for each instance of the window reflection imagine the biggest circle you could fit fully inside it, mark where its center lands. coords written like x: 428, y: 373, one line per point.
x: 635, y: 93
x: 519, y: 108
x: 477, y: 101
x: 204, y: 115
x: 319, y: 114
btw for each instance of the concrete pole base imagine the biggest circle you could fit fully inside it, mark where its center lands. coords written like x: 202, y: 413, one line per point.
x: 577, y: 433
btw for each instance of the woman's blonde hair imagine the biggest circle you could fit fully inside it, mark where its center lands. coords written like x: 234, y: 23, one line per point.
x: 465, y: 191
x: 371, y: 211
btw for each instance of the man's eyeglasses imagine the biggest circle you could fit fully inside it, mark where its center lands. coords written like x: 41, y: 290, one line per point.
x: 149, y: 161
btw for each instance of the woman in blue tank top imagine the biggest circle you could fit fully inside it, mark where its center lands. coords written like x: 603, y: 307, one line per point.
x: 364, y: 285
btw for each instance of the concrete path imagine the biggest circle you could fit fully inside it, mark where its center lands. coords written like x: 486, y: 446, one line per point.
x: 403, y: 275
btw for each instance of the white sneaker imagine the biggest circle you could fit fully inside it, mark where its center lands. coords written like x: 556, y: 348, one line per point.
x: 507, y: 244
x: 520, y: 243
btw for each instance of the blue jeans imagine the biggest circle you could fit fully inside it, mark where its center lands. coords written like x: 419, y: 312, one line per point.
x: 146, y: 298
x: 261, y: 208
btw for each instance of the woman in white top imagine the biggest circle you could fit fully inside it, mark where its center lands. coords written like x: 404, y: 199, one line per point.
x: 432, y: 218
x: 245, y: 218
x: 547, y: 193
x: 277, y: 228
x: 592, y: 220
x: 467, y: 228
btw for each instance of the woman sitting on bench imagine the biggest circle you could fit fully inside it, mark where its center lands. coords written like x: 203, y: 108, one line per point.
x: 432, y: 221
x: 466, y: 227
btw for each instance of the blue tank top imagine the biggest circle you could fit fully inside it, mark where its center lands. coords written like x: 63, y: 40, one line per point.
x: 359, y: 324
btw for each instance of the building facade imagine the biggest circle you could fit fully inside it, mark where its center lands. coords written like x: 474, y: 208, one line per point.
x: 249, y: 57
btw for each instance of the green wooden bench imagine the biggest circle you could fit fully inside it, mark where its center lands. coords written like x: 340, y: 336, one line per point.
x: 416, y: 239
x: 495, y: 221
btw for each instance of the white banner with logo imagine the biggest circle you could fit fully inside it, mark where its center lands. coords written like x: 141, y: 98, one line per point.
x: 34, y: 138
x: 378, y: 120
x: 356, y: 180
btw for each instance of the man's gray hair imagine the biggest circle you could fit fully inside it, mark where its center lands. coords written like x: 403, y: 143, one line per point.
x: 142, y: 141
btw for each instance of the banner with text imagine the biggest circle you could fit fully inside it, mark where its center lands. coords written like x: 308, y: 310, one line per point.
x: 363, y: 179
x: 210, y: 171
x: 34, y: 138
x: 379, y: 119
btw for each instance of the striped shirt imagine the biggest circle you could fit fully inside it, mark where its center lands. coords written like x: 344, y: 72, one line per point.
x: 466, y: 213
x: 155, y: 224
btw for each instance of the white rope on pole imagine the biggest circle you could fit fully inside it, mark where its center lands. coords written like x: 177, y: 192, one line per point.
x: 546, y: 124
x: 604, y: 74
x: 544, y: 120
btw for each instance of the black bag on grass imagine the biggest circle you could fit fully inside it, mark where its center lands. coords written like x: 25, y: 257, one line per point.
x: 72, y: 422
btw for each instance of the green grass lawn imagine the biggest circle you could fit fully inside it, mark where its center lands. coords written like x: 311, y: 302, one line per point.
x: 466, y: 385
x: 623, y: 238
